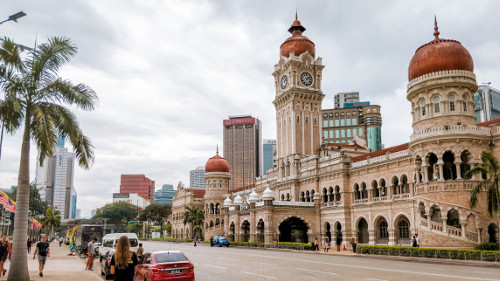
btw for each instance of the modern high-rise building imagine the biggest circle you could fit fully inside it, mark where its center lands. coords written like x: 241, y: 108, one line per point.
x: 197, y: 178
x: 93, y: 212
x: 139, y: 184
x: 362, y: 120
x: 243, y: 149
x: 487, y: 101
x: 340, y: 98
x: 268, y: 154
x: 165, y: 195
x: 54, y: 181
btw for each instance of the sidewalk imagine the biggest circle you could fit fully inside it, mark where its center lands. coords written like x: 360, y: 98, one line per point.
x: 60, y: 266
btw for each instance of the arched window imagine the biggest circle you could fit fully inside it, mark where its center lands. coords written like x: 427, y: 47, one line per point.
x: 307, y: 120
x: 282, y: 197
x: 315, y: 121
x: 298, y: 119
x: 464, y: 97
x: 404, y: 229
x: 435, y: 100
x: 452, y: 102
x: 422, y: 106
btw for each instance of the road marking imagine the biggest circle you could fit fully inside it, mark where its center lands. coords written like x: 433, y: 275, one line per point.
x: 268, y: 277
x: 216, y: 266
x: 374, y: 268
x: 375, y: 279
x: 318, y: 271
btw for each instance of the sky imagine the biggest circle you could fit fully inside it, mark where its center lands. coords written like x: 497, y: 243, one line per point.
x: 168, y: 72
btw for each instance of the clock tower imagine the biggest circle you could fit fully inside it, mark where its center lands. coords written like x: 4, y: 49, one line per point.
x: 297, y: 78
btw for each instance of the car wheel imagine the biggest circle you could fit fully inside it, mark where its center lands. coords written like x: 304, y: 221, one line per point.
x: 220, y: 245
x: 228, y: 245
x: 211, y: 245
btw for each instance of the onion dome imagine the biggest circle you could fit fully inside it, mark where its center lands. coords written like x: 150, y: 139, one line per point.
x: 238, y: 200
x: 228, y: 202
x: 217, y: 164
x: 254, y: 197
x: 438, y: 55
x: 268, y: 194
x: 297, y: 43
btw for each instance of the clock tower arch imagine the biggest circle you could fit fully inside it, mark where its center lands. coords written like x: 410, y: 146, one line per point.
x: 297, y: 100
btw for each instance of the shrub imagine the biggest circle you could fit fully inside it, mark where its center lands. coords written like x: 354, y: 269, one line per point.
x: 462, y: 254
x: 487, y: 247
x: 292, y: 245
x: 248, y: 244
x: 177, y: 240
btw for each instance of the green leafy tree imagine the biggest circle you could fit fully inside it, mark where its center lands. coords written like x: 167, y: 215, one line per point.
x: 491, y: 169
x: 168, y: 228
x: 118, y: 213
x: 194, y: 216
x: 136, y: 227
x: 34, y: 98
x: 155, y: 213
x: 37, y: 206
x: 52, y: 220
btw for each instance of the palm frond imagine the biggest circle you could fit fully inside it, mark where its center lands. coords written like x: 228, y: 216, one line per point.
x: 83, y: 148
x: 10, y: 54
x: 64, y: 91
x: 492, y: 200
x: 474, y: 171
x: 43, y: 130
x: 475, y: 192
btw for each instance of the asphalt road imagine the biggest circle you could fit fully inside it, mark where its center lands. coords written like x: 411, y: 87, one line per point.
x: 214, y: 263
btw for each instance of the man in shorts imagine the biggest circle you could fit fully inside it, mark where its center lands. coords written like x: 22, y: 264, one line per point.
x: 43, y: 251
x: 91, y: 251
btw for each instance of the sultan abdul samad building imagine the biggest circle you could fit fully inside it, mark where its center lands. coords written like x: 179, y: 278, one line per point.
x: 379, y: 198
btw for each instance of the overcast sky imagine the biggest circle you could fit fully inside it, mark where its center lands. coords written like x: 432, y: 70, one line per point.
x: 168, y: 72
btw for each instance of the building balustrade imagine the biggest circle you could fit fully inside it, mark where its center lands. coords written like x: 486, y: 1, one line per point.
x: 450, y: 130
x: 454, y: 230
x: 472, y: 236
x: 292, y: 203
x: 448, y: 185
x: 436, y: 226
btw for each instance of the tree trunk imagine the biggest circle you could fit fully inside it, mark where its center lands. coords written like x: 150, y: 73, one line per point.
x: 19, y: 265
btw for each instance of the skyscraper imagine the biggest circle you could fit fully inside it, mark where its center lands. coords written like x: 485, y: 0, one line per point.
x: 54, y: 180
x: 139, y: 184
x: 268, y: 153
x: 165, y: 194
x: 197, y: 177
x: 340, y: 98
x: 487, y: 101
x: 243, y: 149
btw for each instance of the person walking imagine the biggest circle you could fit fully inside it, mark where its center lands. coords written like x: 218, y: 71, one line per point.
x: 91, y: 246
x: 327, y: 244
x: 413, y: 241
x: 140, y: 253
x: 60, y: 241
x: 43, y: 251
x: 4, y: 253
x: 417, y: 240
x: 124, y: 262
x: 339, y: 241
x: 28, y: 243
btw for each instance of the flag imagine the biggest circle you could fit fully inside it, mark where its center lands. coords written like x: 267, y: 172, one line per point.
x: 4, y: 199
x: 10, y: 206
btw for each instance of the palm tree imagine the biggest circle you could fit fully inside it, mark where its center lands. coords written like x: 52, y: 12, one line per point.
x: 490, y: 183
x: 33, y: 97
x: 194, y: 216
x: 52, y: 220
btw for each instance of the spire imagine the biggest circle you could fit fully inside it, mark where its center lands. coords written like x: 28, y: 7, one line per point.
x: 296, y: 17
x: 436, y: 31
x: 217, y: 149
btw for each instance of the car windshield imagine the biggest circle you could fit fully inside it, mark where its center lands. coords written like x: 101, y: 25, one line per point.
x: 170, y: 257
x: 222, y: 237
x: 133, y: 242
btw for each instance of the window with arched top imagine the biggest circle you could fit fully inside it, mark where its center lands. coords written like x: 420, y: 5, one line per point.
x: 307, y: 120
x: 422, y: 107
x: 298, y: 119
x: 464, y: 98
x: 451, y: 98
x: 435, y: 101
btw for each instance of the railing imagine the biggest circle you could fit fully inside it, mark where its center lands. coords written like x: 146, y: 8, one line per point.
x: 380, y: 158
x: 424, y: 222
x: 472, y: 236
x: 331, y: 203
x: 359, y: 163
x: 231, y: 208
x: 436, y: 226
x: 378, y: 199
x: 451, y: 130
x: 364, y: 200
x: 404, y: 241
x: 293, y: 203
x: 259, y: 204
x: 448, y: 185
x: 454, y: 230
x: 382, y: 240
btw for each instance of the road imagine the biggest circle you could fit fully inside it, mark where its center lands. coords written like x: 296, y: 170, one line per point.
x: 214, y: 263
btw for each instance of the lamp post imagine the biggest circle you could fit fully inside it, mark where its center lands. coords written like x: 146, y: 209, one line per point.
x: 15, y: 17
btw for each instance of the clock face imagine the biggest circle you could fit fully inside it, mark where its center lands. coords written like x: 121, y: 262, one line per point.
x: 306, y: 78
x: 284, y: 82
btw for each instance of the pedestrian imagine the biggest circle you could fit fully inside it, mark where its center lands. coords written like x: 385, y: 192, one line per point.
x: 327, y: 244
x: 91, y: 246
x: 43, y: 251
x: 124, y: 262
x: 413, y: 241
x: 140, y: 253
x: 4, y: 252
x: 417, y: 239
x: 28, y: 243
x: 60, y: 241
x: 353, y: 245
x: 339, y: 241
x: 316, y: 244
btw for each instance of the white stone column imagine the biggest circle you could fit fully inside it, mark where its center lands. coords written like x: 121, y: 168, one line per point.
x: 440, y: 165
x: 426, y: 176
x: 458, y: 169
x: 463, y: 224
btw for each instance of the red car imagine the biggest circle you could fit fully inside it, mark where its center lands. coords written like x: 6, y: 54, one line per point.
x: 165, y: 265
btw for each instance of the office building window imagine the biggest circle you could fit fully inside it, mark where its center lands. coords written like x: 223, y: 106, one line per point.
x: 342, y: 133
x: 330, y: 123
x: 325, y: 123
x: 325, y: 134
x: 331, y: 134
x: 354, y: 121
x: 348, y: 133
x: 336, y: 122
x: 360, y: 132
x: 337, y: 134
x: 354, y: 132
x: 342, y: 122
x: 348, y: 122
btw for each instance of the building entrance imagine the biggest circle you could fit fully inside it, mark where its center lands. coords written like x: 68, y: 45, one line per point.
x: 293, y: 230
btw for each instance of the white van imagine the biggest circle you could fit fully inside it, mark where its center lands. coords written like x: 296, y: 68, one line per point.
x: 109, y: 241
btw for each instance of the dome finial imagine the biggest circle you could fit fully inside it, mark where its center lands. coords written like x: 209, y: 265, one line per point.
x: 436, y: 31
x: 217, y: 149
x: 296, y: 17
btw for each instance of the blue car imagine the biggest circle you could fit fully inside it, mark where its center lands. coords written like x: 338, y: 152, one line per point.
x: 219, y: 240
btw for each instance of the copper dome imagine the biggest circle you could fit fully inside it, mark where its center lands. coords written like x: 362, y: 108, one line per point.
x: 439, y: 54
x: 217, y: 164
x: 297, y: 43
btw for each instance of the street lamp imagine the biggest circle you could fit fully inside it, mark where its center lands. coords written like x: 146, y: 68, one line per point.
x: 15, y: 17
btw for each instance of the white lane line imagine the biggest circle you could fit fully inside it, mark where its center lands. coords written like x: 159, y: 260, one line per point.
x: 216, y: 266
x: 317, y: 271
x: 268, y: 277
x: 375, y: 268
x: 375, y: 279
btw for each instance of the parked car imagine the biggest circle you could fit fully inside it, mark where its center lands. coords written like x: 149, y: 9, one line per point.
x: 106, y: 264
x: 109, y: 242
x: 219, y: 240
x: 165, y: 265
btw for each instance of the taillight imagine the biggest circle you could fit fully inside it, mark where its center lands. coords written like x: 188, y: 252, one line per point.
x: 191, y: 267
x: 155, y: 269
